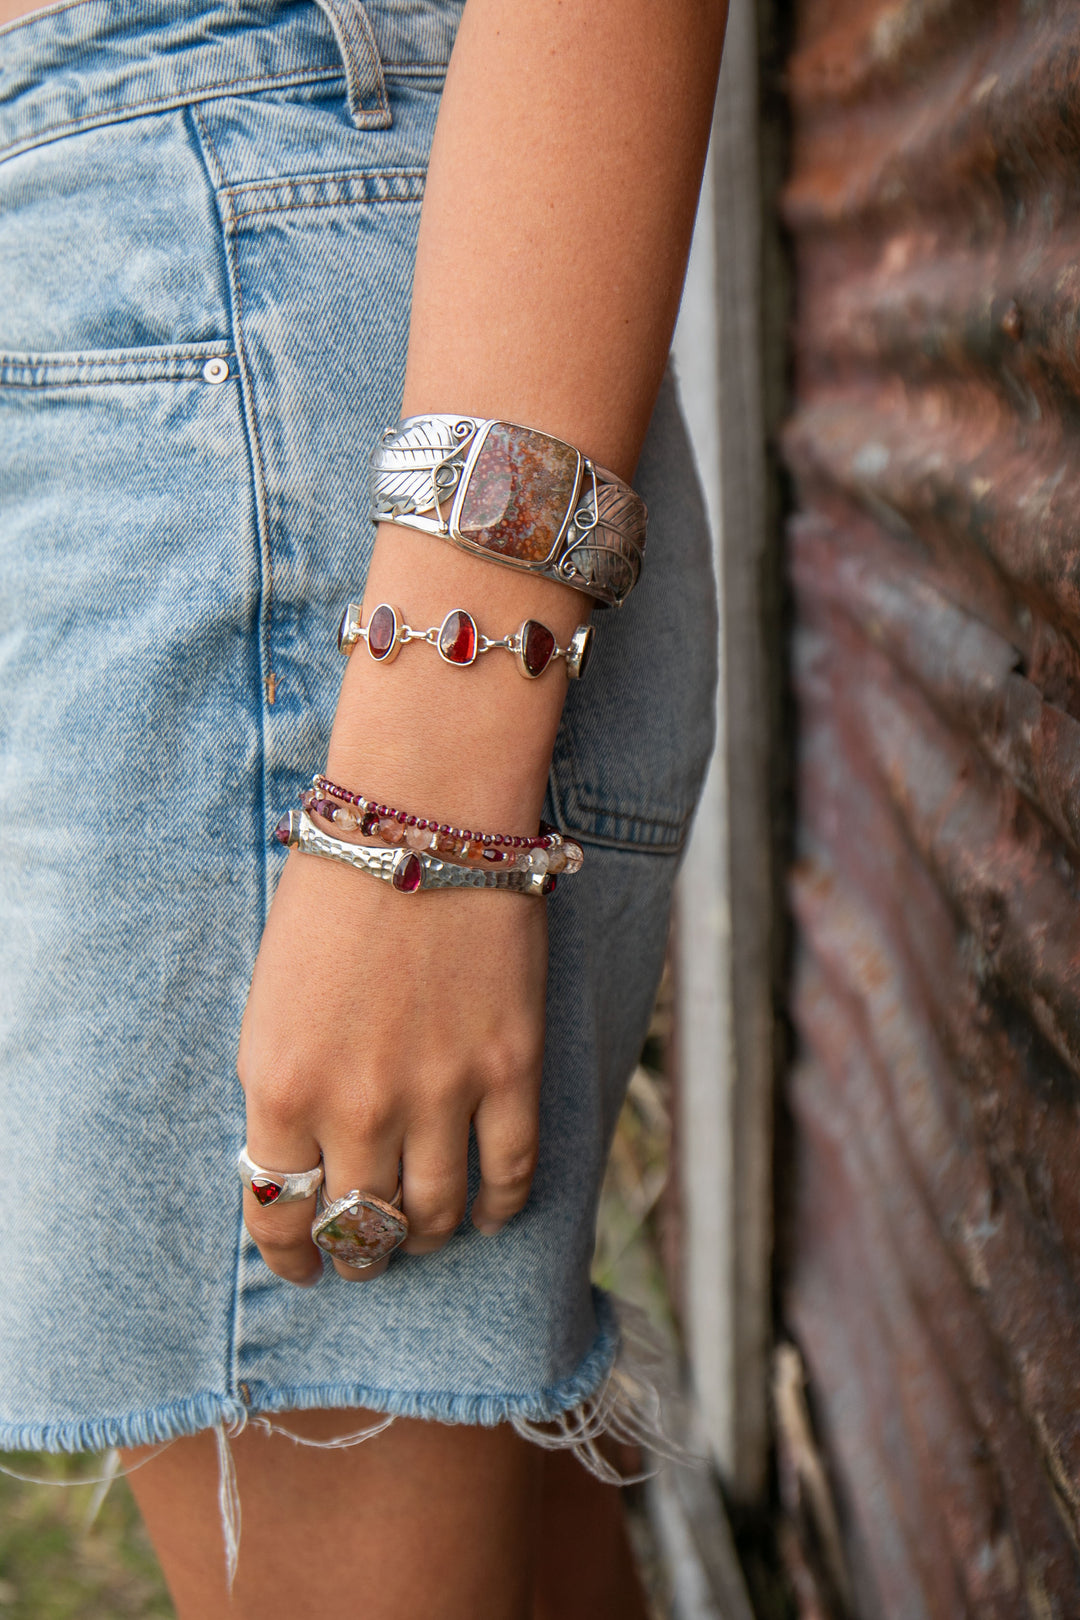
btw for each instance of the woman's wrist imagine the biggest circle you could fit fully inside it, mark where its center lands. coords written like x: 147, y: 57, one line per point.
x: 472, y: 744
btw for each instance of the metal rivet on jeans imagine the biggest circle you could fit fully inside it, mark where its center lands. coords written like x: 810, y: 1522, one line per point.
x: 216, y: 370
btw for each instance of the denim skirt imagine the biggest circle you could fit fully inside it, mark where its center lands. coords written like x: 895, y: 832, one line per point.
x: 208, y: 216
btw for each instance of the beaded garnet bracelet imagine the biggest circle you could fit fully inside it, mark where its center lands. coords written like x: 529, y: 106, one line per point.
x: 458, y: 641
x: 547, y: 851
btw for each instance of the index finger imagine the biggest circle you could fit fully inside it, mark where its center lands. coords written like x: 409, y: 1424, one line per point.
x: 282, y: 1230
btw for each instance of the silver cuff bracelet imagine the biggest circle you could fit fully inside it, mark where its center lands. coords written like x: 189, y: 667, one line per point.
x: 513, y: 495
x: 409, y: 870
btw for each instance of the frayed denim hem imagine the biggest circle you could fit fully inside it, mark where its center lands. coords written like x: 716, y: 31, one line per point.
x: 213, y: 1411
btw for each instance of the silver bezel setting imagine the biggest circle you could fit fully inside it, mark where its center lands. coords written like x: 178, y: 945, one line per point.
x: 351, y: 1204
x: 296, y: 1185
x: 601, y: 538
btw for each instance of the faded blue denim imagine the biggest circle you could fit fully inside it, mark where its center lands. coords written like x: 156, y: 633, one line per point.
x: 242, y: 181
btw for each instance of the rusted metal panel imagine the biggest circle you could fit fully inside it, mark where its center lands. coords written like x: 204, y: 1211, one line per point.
x: 931, y: 1252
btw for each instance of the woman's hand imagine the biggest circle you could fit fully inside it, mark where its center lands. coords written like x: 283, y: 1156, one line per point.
x: 379, y: 1026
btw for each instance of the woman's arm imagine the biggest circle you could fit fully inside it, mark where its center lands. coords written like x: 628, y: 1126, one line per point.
x: 556, y: 224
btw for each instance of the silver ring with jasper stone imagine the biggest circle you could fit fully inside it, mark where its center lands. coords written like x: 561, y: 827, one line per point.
x: 278, y: 1186
x: 360, y: 1229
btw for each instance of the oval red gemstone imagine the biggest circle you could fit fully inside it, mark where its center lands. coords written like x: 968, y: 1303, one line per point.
x: 370, y: 824
x: 537, y: 646
x: 382, y: 631
x: 266, y: 1191
x: 457, y: 637
x: 408, y: 874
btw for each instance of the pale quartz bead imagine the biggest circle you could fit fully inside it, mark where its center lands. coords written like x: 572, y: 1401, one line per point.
x: 557, y: 860
x: 419, y: 837
x: 347, y: 818
x: 538, y: 860
x: 523, y: 860
x: 575, y: 856
x: 391, y: 831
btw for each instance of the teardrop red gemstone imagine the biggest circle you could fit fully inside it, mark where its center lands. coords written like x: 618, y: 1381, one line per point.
x: 382, y: 631
x: 266, y: 1191
x: 408, y: 874
x: 537, y: 646
x: 457, y: 637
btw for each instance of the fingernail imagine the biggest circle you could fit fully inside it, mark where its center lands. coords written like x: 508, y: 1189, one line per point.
x: 489, y: 1228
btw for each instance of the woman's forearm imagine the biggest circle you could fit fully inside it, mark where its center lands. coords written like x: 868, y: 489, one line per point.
x: 557, y: 219
x: 560, y: 202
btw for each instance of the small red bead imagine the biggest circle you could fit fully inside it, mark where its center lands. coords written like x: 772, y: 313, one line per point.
x: 410, y: 821
x: 421, y: 823
x: 444, y: 828
x: 466, y: 834
x: 399, y: 815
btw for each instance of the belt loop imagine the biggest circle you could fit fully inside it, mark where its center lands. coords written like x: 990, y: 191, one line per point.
x: 369, y: 105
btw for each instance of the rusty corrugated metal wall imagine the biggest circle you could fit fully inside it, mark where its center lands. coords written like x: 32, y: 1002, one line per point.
x: 931, y: 1264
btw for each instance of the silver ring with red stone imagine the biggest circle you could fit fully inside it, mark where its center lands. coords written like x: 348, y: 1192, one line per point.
x: 513, y: 495
x: 458, y: 641
x: 409, y: 870
x: 360, y: 1229
x: 278, y: 1186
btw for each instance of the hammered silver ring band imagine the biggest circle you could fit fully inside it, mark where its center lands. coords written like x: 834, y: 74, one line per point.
x: 278, y: 1186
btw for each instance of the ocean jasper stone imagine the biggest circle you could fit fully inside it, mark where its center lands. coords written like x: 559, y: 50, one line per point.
x: 382, y: 631
x: 363, y: 1234
x: 457, y: 637
x: 408, y: 874
x: 519, y: 493
x: 537, y: 646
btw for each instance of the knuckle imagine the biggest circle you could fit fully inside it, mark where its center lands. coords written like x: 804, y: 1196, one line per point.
x: 281, y: 1101
x: 509, y: 1061
x: 513, y: 1164
x: 371, y: 1115
x: 438, y: 1223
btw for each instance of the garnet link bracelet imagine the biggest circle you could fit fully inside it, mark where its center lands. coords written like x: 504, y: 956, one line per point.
x: 458, y: 641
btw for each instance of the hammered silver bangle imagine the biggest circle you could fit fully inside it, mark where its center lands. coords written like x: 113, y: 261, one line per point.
x: 408, y: 870
x: 513, y: 495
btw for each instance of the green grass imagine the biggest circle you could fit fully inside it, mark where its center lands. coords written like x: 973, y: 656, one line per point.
x: 54, y: 1566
